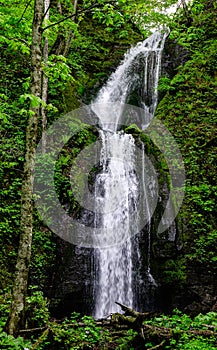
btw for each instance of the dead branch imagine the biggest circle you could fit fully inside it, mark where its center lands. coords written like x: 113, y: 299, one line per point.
x: 158, y: 346
x: 130, y: 312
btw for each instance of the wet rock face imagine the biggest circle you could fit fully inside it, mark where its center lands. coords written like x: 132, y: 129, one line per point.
x: 198, y: 294
x: 203, y: 284
x: 72, y: 288
x: 174, y: 55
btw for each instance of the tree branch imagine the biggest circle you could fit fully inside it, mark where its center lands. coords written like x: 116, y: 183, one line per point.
x: 19, y: 39
x: 27, y: 5
x: 71, y: 16
x: 58, y: 22
x: 30, y: 330
x: 158, y: 346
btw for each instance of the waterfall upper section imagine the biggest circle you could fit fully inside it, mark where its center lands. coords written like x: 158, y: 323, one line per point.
x: 135, y: 80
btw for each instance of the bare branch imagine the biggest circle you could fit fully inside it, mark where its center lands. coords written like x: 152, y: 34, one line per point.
x: 70, y: 16
x: 58, y: 22
x: 157, y: 346
x: 19, y: 39
x: 27, y: 5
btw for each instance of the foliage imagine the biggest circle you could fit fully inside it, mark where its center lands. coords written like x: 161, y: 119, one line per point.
x: 7, y: 341
x: 77, y: 332
x: 180, y: 324
x: 10, y: 343
x: 164, y: 84
x: 141, y: 13
x: 189, y: 112
x: 184, y: 321
x: 174, y: 271
x: 73, y: 336
x: 36, y: 310
x: 5, y: 301
x: 126, y: 342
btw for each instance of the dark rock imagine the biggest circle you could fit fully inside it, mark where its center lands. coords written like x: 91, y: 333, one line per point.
x: 174, y: 55
x: 72, y: 288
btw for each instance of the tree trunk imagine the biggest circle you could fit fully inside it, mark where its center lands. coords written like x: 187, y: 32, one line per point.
x: 45, y: 79
x: 70, y: 33
x: 24, y: 252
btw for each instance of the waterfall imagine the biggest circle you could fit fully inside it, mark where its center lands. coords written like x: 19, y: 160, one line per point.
x: 117, y: 188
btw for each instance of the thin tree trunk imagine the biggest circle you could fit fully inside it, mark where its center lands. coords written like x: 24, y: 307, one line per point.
x: 24, y: 252
x: 45, y: 79
x: 70, y: 33
x: 58, y: 46
x: 63, y: 40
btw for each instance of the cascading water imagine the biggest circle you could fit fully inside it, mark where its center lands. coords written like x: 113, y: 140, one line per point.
x: 116, y: 191
x: 117, y: 185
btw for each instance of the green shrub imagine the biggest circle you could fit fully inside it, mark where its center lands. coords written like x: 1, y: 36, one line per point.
x: 36, y: 311
x: 8, y: 342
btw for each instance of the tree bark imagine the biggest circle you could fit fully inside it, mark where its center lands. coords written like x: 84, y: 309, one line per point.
x: 15, y: 319
x: 70, y: 33
x: 45, y: 79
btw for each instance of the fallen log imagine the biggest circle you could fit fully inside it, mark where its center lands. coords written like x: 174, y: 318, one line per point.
x: 134, y: 318
x: 131, y: 312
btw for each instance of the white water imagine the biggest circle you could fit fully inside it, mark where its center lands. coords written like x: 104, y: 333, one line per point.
x: 117, y: 185
x: 116, y: 191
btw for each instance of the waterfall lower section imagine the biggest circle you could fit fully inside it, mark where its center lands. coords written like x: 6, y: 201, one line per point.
x: 115, y: 279
x: 116, y: 194
x: 118, y: 191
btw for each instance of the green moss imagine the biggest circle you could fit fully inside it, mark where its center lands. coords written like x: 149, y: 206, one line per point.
x: 71, y: 99
x: 133, y: 129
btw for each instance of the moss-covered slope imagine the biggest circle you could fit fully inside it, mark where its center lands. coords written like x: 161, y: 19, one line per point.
x: 189, y: 110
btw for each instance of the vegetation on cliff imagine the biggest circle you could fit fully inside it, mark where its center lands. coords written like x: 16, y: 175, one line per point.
x: 189, y: 111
